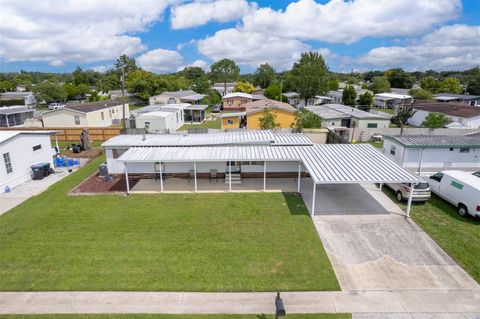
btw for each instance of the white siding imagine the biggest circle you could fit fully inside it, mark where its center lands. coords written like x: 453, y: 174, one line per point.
x: 418, y: 118
x: 66, y: 117
x: 22, y: 156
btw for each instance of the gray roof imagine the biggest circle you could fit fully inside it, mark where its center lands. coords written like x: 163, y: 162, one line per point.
x: 196, y: 107
x: 326, y: 164
x: 15, y: 95
x: 436, y: 141
x: 230, y: 138
x: 187, y: 94
x: 335, y: 93
x: 466, y: 97
x: 15, y: 110
x: 7, y: 135
x: 340, y: 111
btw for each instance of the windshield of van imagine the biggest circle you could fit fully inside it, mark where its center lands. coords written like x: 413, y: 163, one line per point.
x: 422, y: 186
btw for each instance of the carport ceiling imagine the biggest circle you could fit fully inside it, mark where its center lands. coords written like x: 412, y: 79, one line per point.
x: 326, y: 164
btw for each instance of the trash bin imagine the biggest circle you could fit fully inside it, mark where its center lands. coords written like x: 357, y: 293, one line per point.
x: 46, y: 168
x: 38, y: 173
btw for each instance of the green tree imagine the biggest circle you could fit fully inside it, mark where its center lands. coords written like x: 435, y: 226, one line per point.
x: 420, y: 94
x: 268, y: 120
x: 224, y: 71
x: 400, y: 79
x: 380, y: 84
x: 333, y: 85
x: 429, y: 83
x: 129, y: 63
x: 365, y: 100
x: 71, y: 90
x: 306, y: 119
x: 402, y: 115
x: 212, y: 98
x: 309, y: 75
x: 474, y: 86
x: 50, y: 92
x: 192, y: 73
x: 273, y: 92
x: 144, y: 84
x: 6, y: 86
x: 435, y: 120
x: 264, y: 75
x: 450, y: 85
x: 244, y: 87
x: 349, y: 96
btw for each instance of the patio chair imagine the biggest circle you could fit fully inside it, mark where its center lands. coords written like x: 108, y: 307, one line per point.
x: 191, y: 175
x: 213, y: 174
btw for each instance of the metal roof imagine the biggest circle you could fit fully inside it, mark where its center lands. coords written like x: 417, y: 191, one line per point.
x: 6, y: 135
x: 336, y: 111
x: 326, y: 164
x: 196, y: 107
x: 15, y: 109
x: 390, y: 96
x: 466, y: 97
x: 232, y: 138
x: 436, y: 141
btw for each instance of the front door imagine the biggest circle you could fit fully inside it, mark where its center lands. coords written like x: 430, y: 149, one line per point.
x: 236, y: 166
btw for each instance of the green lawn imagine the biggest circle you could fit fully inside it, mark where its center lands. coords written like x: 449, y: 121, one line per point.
x: 458, y: 236
x: 167, y: 242
x: 154, y: 316
x: 217, y: 123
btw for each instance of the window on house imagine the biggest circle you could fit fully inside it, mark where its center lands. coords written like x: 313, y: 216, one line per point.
x: 76, y: 118
x: 37, y: 147
x: 372, y: 125
x: 8, y: 162
x: 103, y: 116
x: 147, y: 124
x: 117, y: 152
x: 229, y: 102
x: 451, y: 149
x: 464, y: 150
x: 393, y: 149
x: 230, y: 122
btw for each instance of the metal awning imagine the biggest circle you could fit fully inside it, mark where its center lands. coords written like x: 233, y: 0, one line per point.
x: 326, y: 164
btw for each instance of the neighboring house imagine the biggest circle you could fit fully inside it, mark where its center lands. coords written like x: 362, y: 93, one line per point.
x: 117, y: 94
x: 193, y: 114
x: 177, y: 97
x: 220, y: 87
x: 27, y: 97
x: 95, y: 114
x: 460, y: 115
x: 250, y: 118
x: 236, y: 100
x: 14, y: 115
x: 335, y: 96
x: 400, y: 91
x: 472, y: 100
x: 339, y: 115
x: 165, y: 119
x: 19, y: 150
x: 391, y: 100
x: 21, y: 88
x: 292, y: 98
x: 434, y: 152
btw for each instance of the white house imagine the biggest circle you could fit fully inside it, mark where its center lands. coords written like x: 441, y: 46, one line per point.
x: 19, y: 150
x: 460, y: 115
x: 95, y: 114
x: 339, y: 115
x: 178, y: 97
x: 220, y: 87
x: 14, y: 115
x: 164, y: 119
x: 391, y: 100
x: 471, y: 100
x: 430, y: 153
x: 27, y: 97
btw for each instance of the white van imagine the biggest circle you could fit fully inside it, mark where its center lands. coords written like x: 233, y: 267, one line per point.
x: 56, y: 106
x: 461, y: 189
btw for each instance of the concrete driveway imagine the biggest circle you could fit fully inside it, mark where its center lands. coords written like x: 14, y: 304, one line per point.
x: 373, y: 246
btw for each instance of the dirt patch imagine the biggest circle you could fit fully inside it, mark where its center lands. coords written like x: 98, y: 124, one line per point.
x: 93, y: 153
x: 95, y: 184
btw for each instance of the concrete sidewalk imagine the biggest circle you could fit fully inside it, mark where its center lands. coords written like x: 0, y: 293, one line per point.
x: 240, y: 303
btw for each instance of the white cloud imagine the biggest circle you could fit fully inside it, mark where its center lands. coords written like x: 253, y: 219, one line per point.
x: 340, y: 21
x: 56, y: 63
x: 79, y: 31
x: 252, y: 48
x: 160, y: 60
x: 198, y: 63
x: 450, y: 47
x: 200, y: 12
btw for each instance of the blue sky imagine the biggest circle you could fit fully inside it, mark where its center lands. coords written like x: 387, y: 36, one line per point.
x: 166, y: 35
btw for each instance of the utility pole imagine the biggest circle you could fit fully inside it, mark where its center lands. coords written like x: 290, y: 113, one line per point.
x: 281, y: 90
x: 123, y: 94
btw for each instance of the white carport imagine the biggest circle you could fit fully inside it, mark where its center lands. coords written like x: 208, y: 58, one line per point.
x: 326, y: 164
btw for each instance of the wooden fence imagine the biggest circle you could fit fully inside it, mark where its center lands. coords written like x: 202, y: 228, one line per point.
x: 99, y: 134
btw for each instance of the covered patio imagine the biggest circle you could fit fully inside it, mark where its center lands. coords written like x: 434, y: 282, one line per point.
x: 323, y: 164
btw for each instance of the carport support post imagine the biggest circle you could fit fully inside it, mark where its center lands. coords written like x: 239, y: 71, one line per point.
x: 313, y: 197
x: 230, y: 176
x: 56, y: 143
x: 381, y: 185
x: 161, y: 178
x: 410, y: 196
x: 195, y: 174
x: 126, y: 178
x: 264, y: 175
x: 299, y: 176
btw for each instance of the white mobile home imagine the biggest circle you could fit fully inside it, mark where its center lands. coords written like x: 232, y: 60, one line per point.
x: 163, y: 119
x: 391, y: 100
x: 339, y: 115
x: 187, y: 96
x: 434, y: 152
x: 19, y: 150
x: 95, y: 114
x: 460, y: 115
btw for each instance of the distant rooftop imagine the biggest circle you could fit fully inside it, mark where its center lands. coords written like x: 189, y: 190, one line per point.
x: 436, y: 141
x: 391, y: 96
x: 90, y: 107
x: 15, y: 109
x: 260, y: 105
x: 238, y: 94
x: 449, y: 97
x: 457, y: 109
x: 340, y: 111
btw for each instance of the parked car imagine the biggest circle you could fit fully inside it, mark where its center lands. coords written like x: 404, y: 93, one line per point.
x: 421, y: 191
x: 216, y: 109
x: 55, y: 106
x: 461, y: 189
